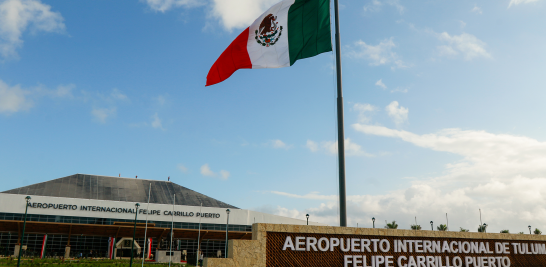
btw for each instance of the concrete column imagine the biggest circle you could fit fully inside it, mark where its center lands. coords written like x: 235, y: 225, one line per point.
x: 67, y: 252
x: 16, y: 251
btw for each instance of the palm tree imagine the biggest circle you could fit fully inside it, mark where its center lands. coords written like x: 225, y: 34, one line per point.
x: 481, y: 228
x: 392, y: 225
x: 442, y: 227
x: 537, y: 232
x: 464, y: 230
x: 505, y: 231
x: 415, y: 227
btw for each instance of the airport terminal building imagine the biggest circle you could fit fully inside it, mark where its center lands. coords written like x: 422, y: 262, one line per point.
x: 91, y: 215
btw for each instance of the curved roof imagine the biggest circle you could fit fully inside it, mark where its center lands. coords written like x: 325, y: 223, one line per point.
x: 118, y: 189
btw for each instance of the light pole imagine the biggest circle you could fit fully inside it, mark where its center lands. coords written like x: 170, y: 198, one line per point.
x: 528, y: 226
x: 23, y: 235
x: 227, y: 230
x: 307, y: 215
x: 134, y: 234
x: 432, y: 225
x: 373, y: 222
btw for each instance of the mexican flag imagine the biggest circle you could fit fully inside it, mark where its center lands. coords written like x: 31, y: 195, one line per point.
x: 44, y: 243
x: 286, y: 32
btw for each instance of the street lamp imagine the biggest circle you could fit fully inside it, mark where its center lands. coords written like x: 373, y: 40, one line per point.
x: 528, y: 226
x: 432, y: 225
x: 227, y: 230
x: 23, y: 235
x: 373, y: 222
x: 307, y: 215
x: 134, y: 234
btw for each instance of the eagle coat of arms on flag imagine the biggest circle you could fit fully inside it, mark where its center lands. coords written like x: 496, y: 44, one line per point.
x: 269, y: 32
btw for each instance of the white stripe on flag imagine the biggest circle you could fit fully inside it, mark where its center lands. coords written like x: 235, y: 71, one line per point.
x: 273, y: 56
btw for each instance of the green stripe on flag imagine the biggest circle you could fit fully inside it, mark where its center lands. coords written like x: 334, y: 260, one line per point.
x: 309, y: 31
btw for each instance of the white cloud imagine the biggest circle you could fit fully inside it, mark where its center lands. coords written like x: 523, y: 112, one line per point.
x: 463, y: 24
x: 375, y: 5
x: 380, y: 54
x: 224, y: 174
x: 446, y: 50
x: 485, y: 154
x: 64, y: 90
x: 294, y: 213
x: 398, y: 113
x: 13, y: 99
x: 18, y: 16
x: 102, y: 114
x: 164, y: 5
x: 117, y: 95
x: 504, y: 175
x: 278, y: 144
x: 313, y: 146
x: 517, y: 2
x: 351, y: 149
x: 381, y: 84
x: 476, y: 9
x: 182, y: 168
x: 206, y: 171
x: 233, y: 14
x: 399, y: 89
x: 160, y: 100
x: 312, y: 195
x: 466, y: 44
x: 156, y: 122
x: 363, y: 109
x: 239, y: 13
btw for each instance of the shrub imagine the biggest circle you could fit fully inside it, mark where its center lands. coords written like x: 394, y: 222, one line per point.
x: 392, y: 225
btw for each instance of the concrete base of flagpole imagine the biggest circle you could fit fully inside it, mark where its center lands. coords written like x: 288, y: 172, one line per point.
x: 67, y: 252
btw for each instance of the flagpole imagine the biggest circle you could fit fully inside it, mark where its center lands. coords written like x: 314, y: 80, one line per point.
x: 172, y: 229
x: 340, y: 130
x: 146, y: 228
x: 199, y: 236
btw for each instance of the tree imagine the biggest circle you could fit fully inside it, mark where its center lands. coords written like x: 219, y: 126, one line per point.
x: 464, y: 230
x: 481, y: 228
x: 392, y: 225
x: 537, y: 232
x: 415, y: 227
x: 442, y: 227
x: 505, y: 231
x: 521, y: 233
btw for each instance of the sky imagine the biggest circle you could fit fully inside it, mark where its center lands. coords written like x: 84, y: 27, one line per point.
x: 444, y: 104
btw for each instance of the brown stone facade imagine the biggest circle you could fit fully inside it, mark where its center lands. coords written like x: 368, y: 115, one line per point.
x: 255, y: 252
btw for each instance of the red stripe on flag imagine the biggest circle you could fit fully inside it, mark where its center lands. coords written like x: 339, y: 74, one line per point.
x: 233, y: 58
